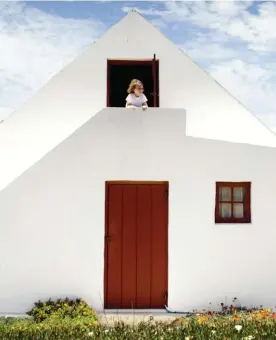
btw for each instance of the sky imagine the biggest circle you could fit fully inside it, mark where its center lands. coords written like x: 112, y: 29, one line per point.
x: 234, y: 41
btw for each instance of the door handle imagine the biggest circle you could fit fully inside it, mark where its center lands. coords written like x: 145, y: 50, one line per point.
x: 107, y: 239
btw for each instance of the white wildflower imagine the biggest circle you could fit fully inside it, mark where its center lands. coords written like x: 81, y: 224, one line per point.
x: 90, y: 334
x: 213, y: 332
x: 187, y: 338
x: 238, y: 327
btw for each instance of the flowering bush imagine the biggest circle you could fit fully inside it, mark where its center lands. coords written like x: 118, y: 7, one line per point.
x: 61, y: 309
x: 50, y: 329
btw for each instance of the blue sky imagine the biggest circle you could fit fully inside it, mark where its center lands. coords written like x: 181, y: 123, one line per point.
x: 235, y: 41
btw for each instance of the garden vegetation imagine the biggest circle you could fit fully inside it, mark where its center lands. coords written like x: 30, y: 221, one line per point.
x: 75, y: 320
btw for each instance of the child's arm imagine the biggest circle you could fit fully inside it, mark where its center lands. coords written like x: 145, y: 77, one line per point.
x: 144, y: 106
x: 129, y: 105
x: 145, y: 103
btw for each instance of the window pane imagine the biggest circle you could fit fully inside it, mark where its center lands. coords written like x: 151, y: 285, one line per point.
x: 238, y: 210
x: 238, y: 194
x: 225, y: 210
x: 224, y: 194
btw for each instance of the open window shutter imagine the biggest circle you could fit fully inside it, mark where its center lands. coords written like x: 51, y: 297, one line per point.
x: 154, y: 76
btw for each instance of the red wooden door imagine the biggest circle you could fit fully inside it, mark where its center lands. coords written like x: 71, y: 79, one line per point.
x: 136, y: 245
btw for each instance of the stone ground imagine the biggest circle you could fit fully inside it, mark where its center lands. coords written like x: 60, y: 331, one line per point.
x: 109, y: 318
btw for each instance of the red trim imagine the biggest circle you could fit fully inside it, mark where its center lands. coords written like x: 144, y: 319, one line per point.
x: 129, y: 62
x: 122, y: 62
x: 246, y: 202
x: 154, y: 71
x: 105, y: 247
x: 108, y: 84
x: 167, y: 246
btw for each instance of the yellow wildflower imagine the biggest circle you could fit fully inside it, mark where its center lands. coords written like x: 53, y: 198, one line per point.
x: 202, y: 319
x: 236, y: 318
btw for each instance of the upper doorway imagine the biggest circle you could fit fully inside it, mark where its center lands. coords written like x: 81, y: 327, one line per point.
x: 121, y: 72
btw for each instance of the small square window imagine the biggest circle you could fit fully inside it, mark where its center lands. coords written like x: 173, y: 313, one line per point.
x: 233, y: 202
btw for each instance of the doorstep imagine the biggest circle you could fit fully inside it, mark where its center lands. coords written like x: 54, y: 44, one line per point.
x: 111, y: 316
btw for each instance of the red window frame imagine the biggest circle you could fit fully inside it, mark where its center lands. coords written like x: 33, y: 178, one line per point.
x: 246, y: 202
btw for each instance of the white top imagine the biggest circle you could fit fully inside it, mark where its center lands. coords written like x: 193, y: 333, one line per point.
x: 136, y: 101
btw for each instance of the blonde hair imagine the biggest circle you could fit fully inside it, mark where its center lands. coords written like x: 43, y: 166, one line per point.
x: 133, y: 84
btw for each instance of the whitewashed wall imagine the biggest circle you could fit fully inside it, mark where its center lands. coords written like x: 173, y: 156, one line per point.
x: 52, y: 217
x: 78, y: 92
x: 213, y: 263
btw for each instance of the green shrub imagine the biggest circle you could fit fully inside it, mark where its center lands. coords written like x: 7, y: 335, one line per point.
x: 50, y: 329
x: 61, y: 309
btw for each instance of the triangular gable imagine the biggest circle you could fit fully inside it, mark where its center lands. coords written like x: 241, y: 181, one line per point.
x: 78, y: 92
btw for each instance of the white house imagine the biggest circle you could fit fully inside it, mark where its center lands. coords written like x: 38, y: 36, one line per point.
x: 128, y: 209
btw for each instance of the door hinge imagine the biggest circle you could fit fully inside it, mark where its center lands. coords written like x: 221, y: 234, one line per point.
x: 166, y: 194
x: 165, y: 297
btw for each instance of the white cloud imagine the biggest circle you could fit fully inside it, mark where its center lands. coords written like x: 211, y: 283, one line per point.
x: 214, y: 51
x: 251, y: 82
x: 230, y: 17
x: 235, y: 45
x: 36, y: 45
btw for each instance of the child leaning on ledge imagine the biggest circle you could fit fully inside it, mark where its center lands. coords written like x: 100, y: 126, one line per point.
x: 136, y: 97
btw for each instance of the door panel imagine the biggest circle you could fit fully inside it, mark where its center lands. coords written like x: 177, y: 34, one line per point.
x: 129, y: 247
x: 143, y: 246
x: 114, y: 246
x: 159, y: 245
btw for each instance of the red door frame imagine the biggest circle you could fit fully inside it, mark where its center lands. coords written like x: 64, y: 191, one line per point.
x: 107, y: 185
x: 155, y: 73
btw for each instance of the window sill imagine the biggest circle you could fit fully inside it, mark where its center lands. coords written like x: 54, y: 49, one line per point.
x: 233, y: 221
